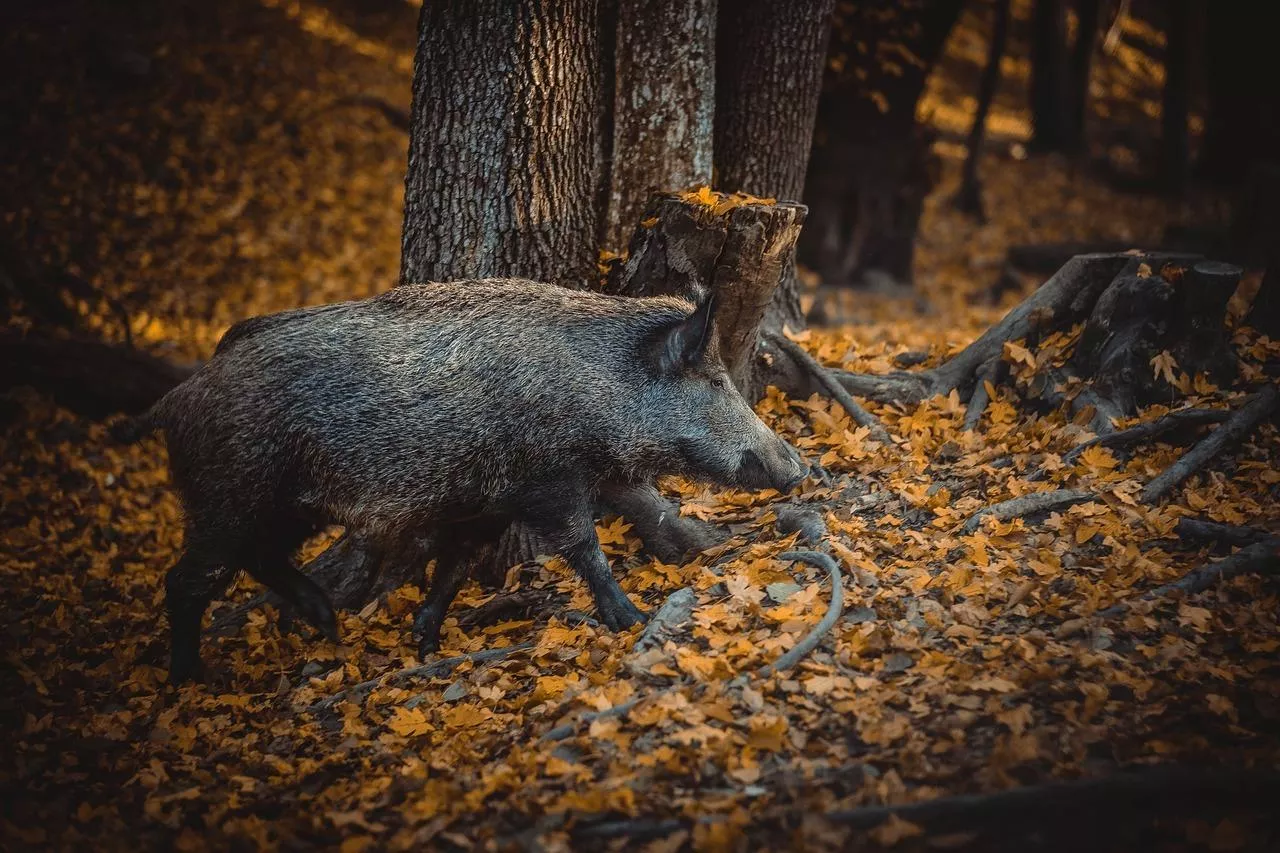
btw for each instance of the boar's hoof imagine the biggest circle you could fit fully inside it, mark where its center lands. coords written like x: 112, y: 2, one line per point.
x: 313, y: 603
x: 621, y: 615
x: 426, y: 625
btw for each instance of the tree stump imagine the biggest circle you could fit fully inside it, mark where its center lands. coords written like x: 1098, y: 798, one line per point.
x: 736, y: 247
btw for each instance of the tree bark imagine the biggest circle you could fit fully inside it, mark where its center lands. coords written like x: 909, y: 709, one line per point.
x: 663, y: 105
x: 769, y: 65
x: 872, y: 163
x: 502, y: 148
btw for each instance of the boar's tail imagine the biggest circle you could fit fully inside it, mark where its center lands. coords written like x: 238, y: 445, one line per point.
x: 133, y: 429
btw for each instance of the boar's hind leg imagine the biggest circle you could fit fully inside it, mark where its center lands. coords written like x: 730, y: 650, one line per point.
x: 572, y: 531
x: 448, y: 578
x: 276, y: 572
x: 195, y: 580
x: 271, y: 564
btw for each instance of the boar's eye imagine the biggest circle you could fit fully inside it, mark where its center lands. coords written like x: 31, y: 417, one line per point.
x: 718, y: 384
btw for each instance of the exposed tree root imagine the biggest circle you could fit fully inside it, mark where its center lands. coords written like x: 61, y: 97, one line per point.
x: 860, y: 415
x: 1058, y: 303
x: 1027, y: 505
x: 1213, y: 531
x: 1259, y: 558
x: 1232, y: 431
x: 1147, y: 431
x: 981, y: 396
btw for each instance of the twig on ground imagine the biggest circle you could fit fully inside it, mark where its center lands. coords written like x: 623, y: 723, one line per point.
x: 1227, y: 534
x: 1260, y: 558
x: 1142, y: 432
x: 860, y: 415
x: 1027, y: 505
x: 1232, y: 431
x: 435, y: 669
x: 829, y: 619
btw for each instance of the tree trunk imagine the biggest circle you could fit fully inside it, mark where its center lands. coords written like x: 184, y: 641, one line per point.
x: 1050, y: 86
x: 769, y: 65
x: 872, y: 162
x: 969, y: 199
x: 663, y: 105
x: 1242, y: 126
x: 502, y: 149
x: 1088, y: 19
x: 1175, y: 148
x: 737, y: 251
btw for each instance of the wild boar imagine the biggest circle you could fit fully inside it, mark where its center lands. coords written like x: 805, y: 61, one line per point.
x: 454, y: 408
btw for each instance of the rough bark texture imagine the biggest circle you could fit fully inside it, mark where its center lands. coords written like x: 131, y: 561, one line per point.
x: 769, y: 64
x: 740, y: 254
x: 663, y: 105
x: 502, y: 154
x: 872, y: 163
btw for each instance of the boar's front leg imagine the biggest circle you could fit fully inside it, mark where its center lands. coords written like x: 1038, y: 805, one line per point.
x: 567, y: 525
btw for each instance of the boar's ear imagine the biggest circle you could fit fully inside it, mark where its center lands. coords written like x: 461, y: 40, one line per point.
x: 684, y: 344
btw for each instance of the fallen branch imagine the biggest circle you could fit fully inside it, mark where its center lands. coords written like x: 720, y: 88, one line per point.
x: 1160, y: 788
x: 860, y: 415
x: 1143, y: 432
x: 1027, y: 505
x: 1259, y: 558
x: 435, y: 669
x: 788, y: 660
x: 1145, y: 792
x: 1231, y: 432
x: 1227, y: 534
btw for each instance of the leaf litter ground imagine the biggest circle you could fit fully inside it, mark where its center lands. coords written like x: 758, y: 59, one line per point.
x: 963, y: 662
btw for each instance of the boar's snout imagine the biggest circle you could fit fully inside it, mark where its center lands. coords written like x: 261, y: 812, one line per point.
x: 777, y: 465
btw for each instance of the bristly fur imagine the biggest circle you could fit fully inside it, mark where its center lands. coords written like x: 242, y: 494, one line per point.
x: 443, y: 404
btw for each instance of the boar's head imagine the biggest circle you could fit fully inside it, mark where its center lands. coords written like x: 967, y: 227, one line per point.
x: 707, y: 429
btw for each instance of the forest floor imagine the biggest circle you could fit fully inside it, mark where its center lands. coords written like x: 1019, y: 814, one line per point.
x: 198, y: 170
